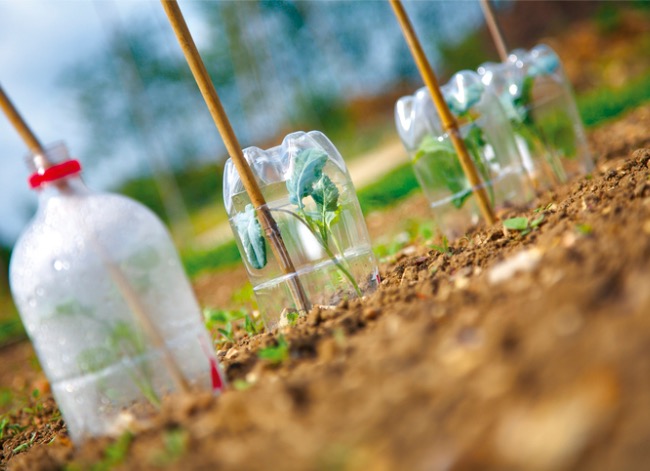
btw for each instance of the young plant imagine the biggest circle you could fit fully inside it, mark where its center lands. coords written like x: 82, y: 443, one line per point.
x: 554, y: 130
x: 307, y: 180
x: 122, y: 340
x: 522, y: 224
x: 443, y: 248
x: 275, y: 354
x: 446, y: 170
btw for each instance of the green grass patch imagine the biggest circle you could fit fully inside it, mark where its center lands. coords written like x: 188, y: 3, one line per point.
x: 222, y: 256
x: 388, y: 190
x: 604, y: 104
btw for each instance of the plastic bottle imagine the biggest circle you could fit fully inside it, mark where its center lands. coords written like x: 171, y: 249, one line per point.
x: 311, y: 196
x: 104, y: 298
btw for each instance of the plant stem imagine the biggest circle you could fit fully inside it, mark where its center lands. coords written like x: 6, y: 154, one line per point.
x: 329, y: 253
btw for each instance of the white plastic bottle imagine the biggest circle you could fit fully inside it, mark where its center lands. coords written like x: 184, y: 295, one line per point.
x: 106, y: 303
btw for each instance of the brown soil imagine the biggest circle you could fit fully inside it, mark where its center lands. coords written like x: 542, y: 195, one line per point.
x: 456, y: 363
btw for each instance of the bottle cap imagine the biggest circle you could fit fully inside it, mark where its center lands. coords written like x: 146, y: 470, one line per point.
x: 53, y: 173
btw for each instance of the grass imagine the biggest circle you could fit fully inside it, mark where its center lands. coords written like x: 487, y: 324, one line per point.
x: 604, y: 104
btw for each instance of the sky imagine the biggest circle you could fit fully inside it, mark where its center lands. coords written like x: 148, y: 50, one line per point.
x: 38, y: 39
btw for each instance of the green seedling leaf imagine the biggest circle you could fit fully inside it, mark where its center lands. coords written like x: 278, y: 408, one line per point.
x: 584, y: 229
x: 95, y: 359
x: 516, y: 224
x: 537, y: 221
x: 251, y: 236
x: 124, y: 338
x: 72, y: 308
x: 175, y: 444
x: 145, y: 259
x: 227, y: 332
x: 24, y: 446
x: 241, y: 385
x: 3, y: 424
x: 307, y: 169
x: 325, y: 194
x: 444, y: 248
x: 276, y: 354
x: 445, y: 169
x: 460, y: 104
x: 252, y: 327
x: 544, y: 65
x: 115, y: 453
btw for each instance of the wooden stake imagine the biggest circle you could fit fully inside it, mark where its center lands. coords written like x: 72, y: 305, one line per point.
x: 30, y: 139
x: 220, y: 118
x: 495, y: 31
x: 449, y: 123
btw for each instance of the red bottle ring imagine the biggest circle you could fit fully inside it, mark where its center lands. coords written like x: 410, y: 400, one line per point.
x: 55, y: 172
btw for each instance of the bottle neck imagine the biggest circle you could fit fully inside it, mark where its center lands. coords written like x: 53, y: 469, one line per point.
x: 67, y: 186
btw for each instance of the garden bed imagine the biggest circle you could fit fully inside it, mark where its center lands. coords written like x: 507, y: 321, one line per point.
x: 505, y: 350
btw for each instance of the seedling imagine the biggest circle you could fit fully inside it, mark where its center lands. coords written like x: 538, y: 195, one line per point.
x: 224, y: 322
x: 175, y: 445
x: 252, y: 326
x: 122, y: 340
x: 584, y: 229
x: 241, y: 385
x: 522, y: 224
x: 277, y: 353
x: 227, y: 332
x: 443, y: 248
x: 24, y: 446
x: 306, y: 181
x: 446, y: 171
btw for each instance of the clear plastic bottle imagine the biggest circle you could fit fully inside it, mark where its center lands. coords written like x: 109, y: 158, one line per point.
x: 104, y: 298
x: 310, y: 195
x: 489, y: 141
x: 538, y: 97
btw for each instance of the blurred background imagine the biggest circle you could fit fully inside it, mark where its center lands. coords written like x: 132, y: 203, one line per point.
x: 108, y: 78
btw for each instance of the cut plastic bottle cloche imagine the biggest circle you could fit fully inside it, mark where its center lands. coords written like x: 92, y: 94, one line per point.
x: 538, y: 98
x: 488, y: 138
x: 311, y: 197
x: 104, y: 298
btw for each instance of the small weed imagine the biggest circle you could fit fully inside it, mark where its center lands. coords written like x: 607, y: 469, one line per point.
x: 522, y: 224
x: 214, y: 316
x: 227, y: 332
x: 241, y: 385
x: 543, y: 209
x: 584, y: 229
x: 115, y: 453
x: 175, y: 443
x: 3, y: 424
x: 6, y: 397
x: 24, y: 446
x: 276, y: 354
x: 244, y: 295
x: 339, y: 337
x: 292, y: 317
x: 444, y: 248
x: 252, y: 326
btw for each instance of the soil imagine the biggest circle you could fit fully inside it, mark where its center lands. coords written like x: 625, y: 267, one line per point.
x: 508, y: 352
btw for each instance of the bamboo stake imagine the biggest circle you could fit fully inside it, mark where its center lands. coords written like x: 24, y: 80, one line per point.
x: 449, y: 123
x: 220, y: 118
x: 120, y: 280
x: 495, y: 31
x: 24, y: 131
